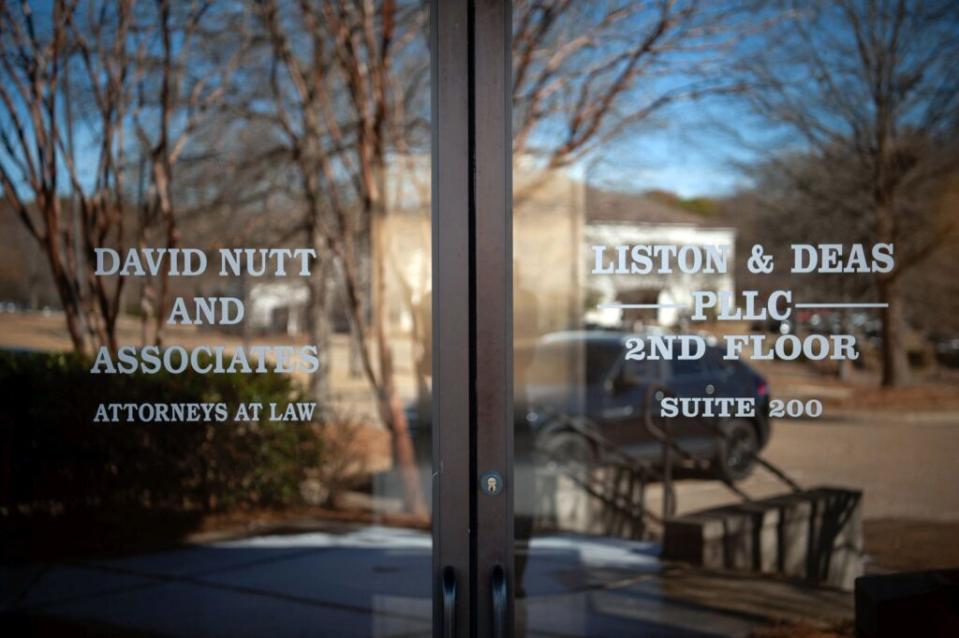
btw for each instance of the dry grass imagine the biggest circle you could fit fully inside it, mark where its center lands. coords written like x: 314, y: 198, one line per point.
x: 910, y: 545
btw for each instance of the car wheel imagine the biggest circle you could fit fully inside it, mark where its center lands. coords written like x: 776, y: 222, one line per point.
x: 738, y: 446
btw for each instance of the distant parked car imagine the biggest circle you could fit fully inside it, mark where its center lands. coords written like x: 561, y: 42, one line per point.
x: 773, y: 326
x: 947, y: 351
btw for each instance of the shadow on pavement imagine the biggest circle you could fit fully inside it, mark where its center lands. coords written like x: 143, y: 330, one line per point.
x: 372, y: 581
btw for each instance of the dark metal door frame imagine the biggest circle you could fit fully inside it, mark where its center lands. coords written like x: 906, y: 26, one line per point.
x: 472, y: 316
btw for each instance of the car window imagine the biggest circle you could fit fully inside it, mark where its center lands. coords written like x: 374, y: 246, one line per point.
x: 715, y: 362
x: 688, y: 367
x: 600, y: 358
x: 639, y: 371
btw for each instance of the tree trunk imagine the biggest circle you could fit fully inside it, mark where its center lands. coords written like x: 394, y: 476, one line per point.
x: 422, y: 359
x: 65, y: 290
x: 843, y: 369
x: 387, y: 400
x: 895, y: 360
x: 391, y: 409
x: 318, y: 326
x: 406, y: 459
x: 162, y: 175
x: 72, y: 314
x: 364, y: 247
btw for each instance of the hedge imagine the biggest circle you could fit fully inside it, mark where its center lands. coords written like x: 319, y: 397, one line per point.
x: 56, y: 459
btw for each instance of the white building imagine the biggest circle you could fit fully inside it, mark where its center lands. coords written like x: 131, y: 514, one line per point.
x: 627, y: 218
x: 277, y: 307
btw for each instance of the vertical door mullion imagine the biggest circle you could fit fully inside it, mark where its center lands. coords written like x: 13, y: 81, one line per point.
x: 492, y: 33
x: 472, y: 307
x: 451, y: 391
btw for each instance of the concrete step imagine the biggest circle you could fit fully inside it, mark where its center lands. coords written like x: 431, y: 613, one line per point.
x: 814, y: 535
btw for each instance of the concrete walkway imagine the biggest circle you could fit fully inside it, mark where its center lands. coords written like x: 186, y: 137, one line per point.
x: 375, y: 582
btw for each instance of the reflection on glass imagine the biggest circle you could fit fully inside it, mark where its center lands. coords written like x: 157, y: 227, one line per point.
x: 657, y: 146
x: 219, y: 450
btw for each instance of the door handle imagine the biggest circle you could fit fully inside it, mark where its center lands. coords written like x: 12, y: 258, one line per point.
x: 499, y: 594
x: 449, y: 602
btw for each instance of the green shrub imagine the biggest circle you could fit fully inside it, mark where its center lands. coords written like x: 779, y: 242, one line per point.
x: 54, y: 458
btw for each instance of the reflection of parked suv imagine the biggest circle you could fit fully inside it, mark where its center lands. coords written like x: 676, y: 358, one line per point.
x: 612, y: 393
x: 585, y: 375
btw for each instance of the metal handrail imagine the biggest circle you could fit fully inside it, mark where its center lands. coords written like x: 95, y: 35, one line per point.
x: 646, y: 470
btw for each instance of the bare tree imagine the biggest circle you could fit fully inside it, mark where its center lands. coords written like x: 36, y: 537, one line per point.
x: 334, y: 101
x: 347, y: 92
x: 870, y: 90
x: 87, y: 89
x: 585, y: 74
x: 49, y: 69
x: 178, y: 85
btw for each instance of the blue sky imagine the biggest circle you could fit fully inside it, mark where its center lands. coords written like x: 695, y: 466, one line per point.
x: 682, y: 151
x: 686, y: 151
x: 665, y: 161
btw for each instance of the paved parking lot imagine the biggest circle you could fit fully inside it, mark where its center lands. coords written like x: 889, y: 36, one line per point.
x: 907, y: 463
x: 376, y: 582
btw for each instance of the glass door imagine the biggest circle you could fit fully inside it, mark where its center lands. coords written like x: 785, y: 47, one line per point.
x: 215, y: 337
x: 722, y: 324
